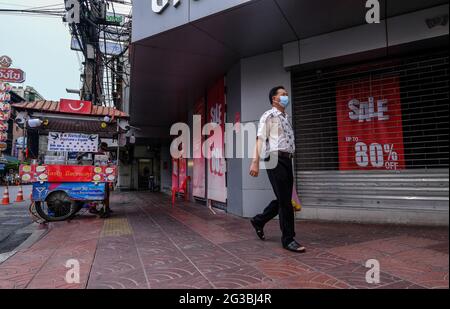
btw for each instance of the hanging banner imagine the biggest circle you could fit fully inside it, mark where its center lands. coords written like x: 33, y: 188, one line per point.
x: 3, y: 136
x: 72, y: 142
x: 370, y: 128
x: 5, y: 107
x: 216, y: 165
x: 199, y: 179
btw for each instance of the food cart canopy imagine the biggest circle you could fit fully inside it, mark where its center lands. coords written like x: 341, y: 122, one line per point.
x: 54, y: 107
x: 59, y: 121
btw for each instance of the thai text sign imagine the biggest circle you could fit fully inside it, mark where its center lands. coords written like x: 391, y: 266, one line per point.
x: 69, y: 173
x: 12, y: 75
x: 73, y: 142
x: 76, y: 191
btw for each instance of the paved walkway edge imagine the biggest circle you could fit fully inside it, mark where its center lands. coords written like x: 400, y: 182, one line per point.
x: 37, y: 234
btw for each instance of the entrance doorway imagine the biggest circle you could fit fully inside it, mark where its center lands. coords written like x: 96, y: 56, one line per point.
x: 145, y: 172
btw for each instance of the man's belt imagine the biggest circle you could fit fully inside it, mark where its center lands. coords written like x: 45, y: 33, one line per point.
x: 284, y: 154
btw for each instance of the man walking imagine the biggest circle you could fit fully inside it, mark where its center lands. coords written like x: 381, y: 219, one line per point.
x: 276, y: 135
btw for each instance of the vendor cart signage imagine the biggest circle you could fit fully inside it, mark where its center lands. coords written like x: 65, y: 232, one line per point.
x: 76, y: 191
x: 67, y: 173
x: 75, y: 106
x: 73, y: 142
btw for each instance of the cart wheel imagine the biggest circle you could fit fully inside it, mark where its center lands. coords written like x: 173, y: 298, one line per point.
x: 57, y: 207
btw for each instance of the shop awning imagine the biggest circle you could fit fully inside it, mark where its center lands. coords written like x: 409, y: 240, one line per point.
x: 58, y: 121
x: 53, y: 107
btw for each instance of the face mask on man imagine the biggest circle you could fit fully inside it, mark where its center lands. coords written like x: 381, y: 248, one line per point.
x: 284, y: 101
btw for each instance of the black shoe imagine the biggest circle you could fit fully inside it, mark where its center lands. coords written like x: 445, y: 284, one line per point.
x: 259, y: 230
x: 105, y: 213
x: 295, y: 247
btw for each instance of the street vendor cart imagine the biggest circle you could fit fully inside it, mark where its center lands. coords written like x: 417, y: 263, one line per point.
x: 72, y: 169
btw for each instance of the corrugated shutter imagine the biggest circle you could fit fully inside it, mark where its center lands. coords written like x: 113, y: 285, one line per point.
x: 324, y: 173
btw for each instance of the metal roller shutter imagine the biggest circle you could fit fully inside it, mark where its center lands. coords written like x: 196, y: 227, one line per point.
x: 374, y: 135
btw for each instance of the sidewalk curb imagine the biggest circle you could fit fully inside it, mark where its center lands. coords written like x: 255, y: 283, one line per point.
x: 35, y: 236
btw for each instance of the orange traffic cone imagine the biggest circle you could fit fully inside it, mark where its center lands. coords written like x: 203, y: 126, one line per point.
x: 5, y: 200
x: 19, y: 197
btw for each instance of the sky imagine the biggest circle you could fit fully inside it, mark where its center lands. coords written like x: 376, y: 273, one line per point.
x: 40, y: 46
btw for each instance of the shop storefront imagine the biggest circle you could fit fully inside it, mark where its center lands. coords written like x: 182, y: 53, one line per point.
x: 374, y: 135
x: 370, y: 101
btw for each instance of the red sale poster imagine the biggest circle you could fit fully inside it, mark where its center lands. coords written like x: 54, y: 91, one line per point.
x: 216, y: 163
x: 199, y: 179
x: 370, y: 129
x: 182, y: 172
x: 175, y: 174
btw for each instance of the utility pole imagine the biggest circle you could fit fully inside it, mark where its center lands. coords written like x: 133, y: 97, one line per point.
x: 85, y: 30
x: 103, y: 74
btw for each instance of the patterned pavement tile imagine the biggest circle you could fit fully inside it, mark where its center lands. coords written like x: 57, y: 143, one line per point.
x: 7, y: 284
x: 314, y: 280
x: 208, y: 261
x: 419, y: 273
x: 424, y: 256
x: 132, y: 279
x: 282, y: 268
x: 112, y: 268
x: 357, y: 253
x: 17, y: 281
x: 150, y: 244
x: 355, y: 275
x: 157, y: 260
x: 398, y: 244
x: 239, y: 277
x: 440, y: 247
x: 178, y: 275
x: 320, y: 260
x: 402, y: 285
x: 250, y: 252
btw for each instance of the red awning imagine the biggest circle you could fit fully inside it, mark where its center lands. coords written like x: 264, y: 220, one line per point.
x: 53, y: 107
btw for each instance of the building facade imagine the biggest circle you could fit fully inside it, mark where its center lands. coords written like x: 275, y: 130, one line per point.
x: 369, y: 100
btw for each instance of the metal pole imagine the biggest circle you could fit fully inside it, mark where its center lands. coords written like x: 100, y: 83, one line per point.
x: 118, y: 154
x: 23, y: 140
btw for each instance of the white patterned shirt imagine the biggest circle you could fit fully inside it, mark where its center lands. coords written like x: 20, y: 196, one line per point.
x: 276, y: 132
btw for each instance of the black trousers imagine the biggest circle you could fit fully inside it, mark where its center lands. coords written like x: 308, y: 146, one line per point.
x: 282, y: 181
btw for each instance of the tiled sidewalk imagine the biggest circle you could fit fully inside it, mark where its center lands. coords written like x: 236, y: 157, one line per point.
x: 149, y: 244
